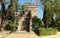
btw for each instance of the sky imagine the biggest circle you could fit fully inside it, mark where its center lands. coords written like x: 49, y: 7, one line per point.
x: 40, y: 10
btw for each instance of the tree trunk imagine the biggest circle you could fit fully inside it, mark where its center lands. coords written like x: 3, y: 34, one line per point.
x: 3, y: 16
x: 45, y: 18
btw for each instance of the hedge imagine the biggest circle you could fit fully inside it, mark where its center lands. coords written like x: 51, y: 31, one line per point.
x: 11, y: 26
x: 47, y: 31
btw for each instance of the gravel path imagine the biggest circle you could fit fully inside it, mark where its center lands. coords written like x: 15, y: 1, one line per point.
x: 22, y: 35
x: 30, y: 35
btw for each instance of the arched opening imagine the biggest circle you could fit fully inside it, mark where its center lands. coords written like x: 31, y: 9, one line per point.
x: 26, y: 22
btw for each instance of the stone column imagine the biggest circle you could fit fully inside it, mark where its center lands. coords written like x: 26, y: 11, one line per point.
x: 30, y: 24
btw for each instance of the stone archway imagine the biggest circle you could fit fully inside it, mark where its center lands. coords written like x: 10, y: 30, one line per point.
x: 26, y: 22
x: 29, y: 17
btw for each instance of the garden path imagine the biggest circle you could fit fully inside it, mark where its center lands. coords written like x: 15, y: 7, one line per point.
x: 29, y: 35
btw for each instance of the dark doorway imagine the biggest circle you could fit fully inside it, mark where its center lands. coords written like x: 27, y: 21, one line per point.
x: 26, y: 22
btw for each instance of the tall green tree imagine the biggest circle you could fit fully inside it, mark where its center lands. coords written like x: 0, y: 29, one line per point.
x: 12, y: 8
x: 48, y: 11
x: 11, y: 13
x: 57, y: 9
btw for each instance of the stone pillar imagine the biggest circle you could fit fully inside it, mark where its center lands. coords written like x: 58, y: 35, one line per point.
x: 30, y: 24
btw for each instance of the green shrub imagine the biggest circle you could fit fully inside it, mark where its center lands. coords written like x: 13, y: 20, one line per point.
x: 58, y: 28
x: 11, y: 26
x: 37, y: 23
x: 41, y: 24
x: 47, y: 31
x: 58, y: 23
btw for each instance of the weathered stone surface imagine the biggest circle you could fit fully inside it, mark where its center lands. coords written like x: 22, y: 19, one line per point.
x: 33, y: 9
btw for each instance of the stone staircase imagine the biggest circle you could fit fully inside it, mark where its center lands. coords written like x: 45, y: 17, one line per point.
x: 20, y: 22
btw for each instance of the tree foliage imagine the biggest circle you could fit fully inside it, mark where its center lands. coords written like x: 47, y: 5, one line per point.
x: 5, y: 13
x: 48, y: 6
